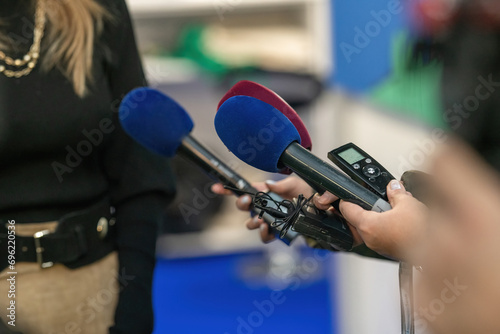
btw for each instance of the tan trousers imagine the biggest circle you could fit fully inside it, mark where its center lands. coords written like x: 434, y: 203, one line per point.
x: 59, y: 300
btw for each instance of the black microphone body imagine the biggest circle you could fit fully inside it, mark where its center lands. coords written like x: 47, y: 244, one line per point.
x: 323, y: 175
x: 328, y: 228
x: 192, y: 150
x: 195, y: 152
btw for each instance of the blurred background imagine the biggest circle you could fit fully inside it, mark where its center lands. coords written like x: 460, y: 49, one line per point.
x: 346, y: 67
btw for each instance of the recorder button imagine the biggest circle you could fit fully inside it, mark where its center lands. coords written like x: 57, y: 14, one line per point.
x: 371, y: 171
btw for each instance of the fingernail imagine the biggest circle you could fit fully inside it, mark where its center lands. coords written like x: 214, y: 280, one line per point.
x: 256, y: 219
x: 262, y: 227
x: 395, y: 185
x: 271, y: 182
x: 246, y: 199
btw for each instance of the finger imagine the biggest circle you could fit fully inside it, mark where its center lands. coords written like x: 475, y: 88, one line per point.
x: 218, y: 188
x: 354, y: 214
x: 244, y: 202
x: 357, y: 240
x: 260, y: 186
x: 264, y: 233
x: 395, y: 187
x: 395, y: 192
x: 290, y: 187
x: 324, y: 201
x: 253, y: 223
x: 368, y: 226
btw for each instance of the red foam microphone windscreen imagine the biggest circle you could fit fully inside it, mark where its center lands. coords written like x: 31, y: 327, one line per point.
x: 255, y: 90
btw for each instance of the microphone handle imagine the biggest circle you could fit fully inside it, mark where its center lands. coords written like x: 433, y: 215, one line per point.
x: 324, y: 176
x: 213, y: 166
x: 195, y: 152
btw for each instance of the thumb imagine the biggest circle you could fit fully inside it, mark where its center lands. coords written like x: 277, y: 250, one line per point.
x: 353, y: 213
x: 395, y: 192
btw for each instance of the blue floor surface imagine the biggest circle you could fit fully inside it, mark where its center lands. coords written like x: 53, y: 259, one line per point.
x: 229, y: 295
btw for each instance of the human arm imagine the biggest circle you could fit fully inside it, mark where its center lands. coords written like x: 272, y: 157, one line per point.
x: 141, y: 185
x: 460, y: 256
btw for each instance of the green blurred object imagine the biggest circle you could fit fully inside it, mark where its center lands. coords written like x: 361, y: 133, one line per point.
x: 412, y: 91
x: 191, y: 46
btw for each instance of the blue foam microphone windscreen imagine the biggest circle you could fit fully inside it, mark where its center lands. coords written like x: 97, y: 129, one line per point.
x: 154, y: 120
x: 253, y: 89
x: 163, y: 126
x: 254, y: 131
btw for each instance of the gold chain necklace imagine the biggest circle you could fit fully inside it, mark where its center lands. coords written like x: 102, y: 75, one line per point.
x: 27, y: 63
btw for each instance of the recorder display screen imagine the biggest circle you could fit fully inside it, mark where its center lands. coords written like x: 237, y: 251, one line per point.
x: 351, y: 156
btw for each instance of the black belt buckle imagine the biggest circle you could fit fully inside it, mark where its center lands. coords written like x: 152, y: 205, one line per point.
x: 39, y: 249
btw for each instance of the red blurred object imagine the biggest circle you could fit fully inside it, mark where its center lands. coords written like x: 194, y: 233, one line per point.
x: 253, y: 89
x: 436, y: 16
x: 487, y: 13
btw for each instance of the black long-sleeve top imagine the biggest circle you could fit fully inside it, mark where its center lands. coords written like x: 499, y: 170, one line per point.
x: 43, y: 123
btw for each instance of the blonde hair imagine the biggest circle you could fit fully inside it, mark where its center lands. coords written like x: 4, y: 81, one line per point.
x: 72, y: 27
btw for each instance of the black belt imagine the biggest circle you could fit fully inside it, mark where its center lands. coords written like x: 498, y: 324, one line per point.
x: 80, y: 238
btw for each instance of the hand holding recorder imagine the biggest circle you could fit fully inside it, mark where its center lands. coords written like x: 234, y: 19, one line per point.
x: 242, y: 117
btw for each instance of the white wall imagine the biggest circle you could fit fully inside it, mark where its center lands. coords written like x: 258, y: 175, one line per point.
x: 367, y: 291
